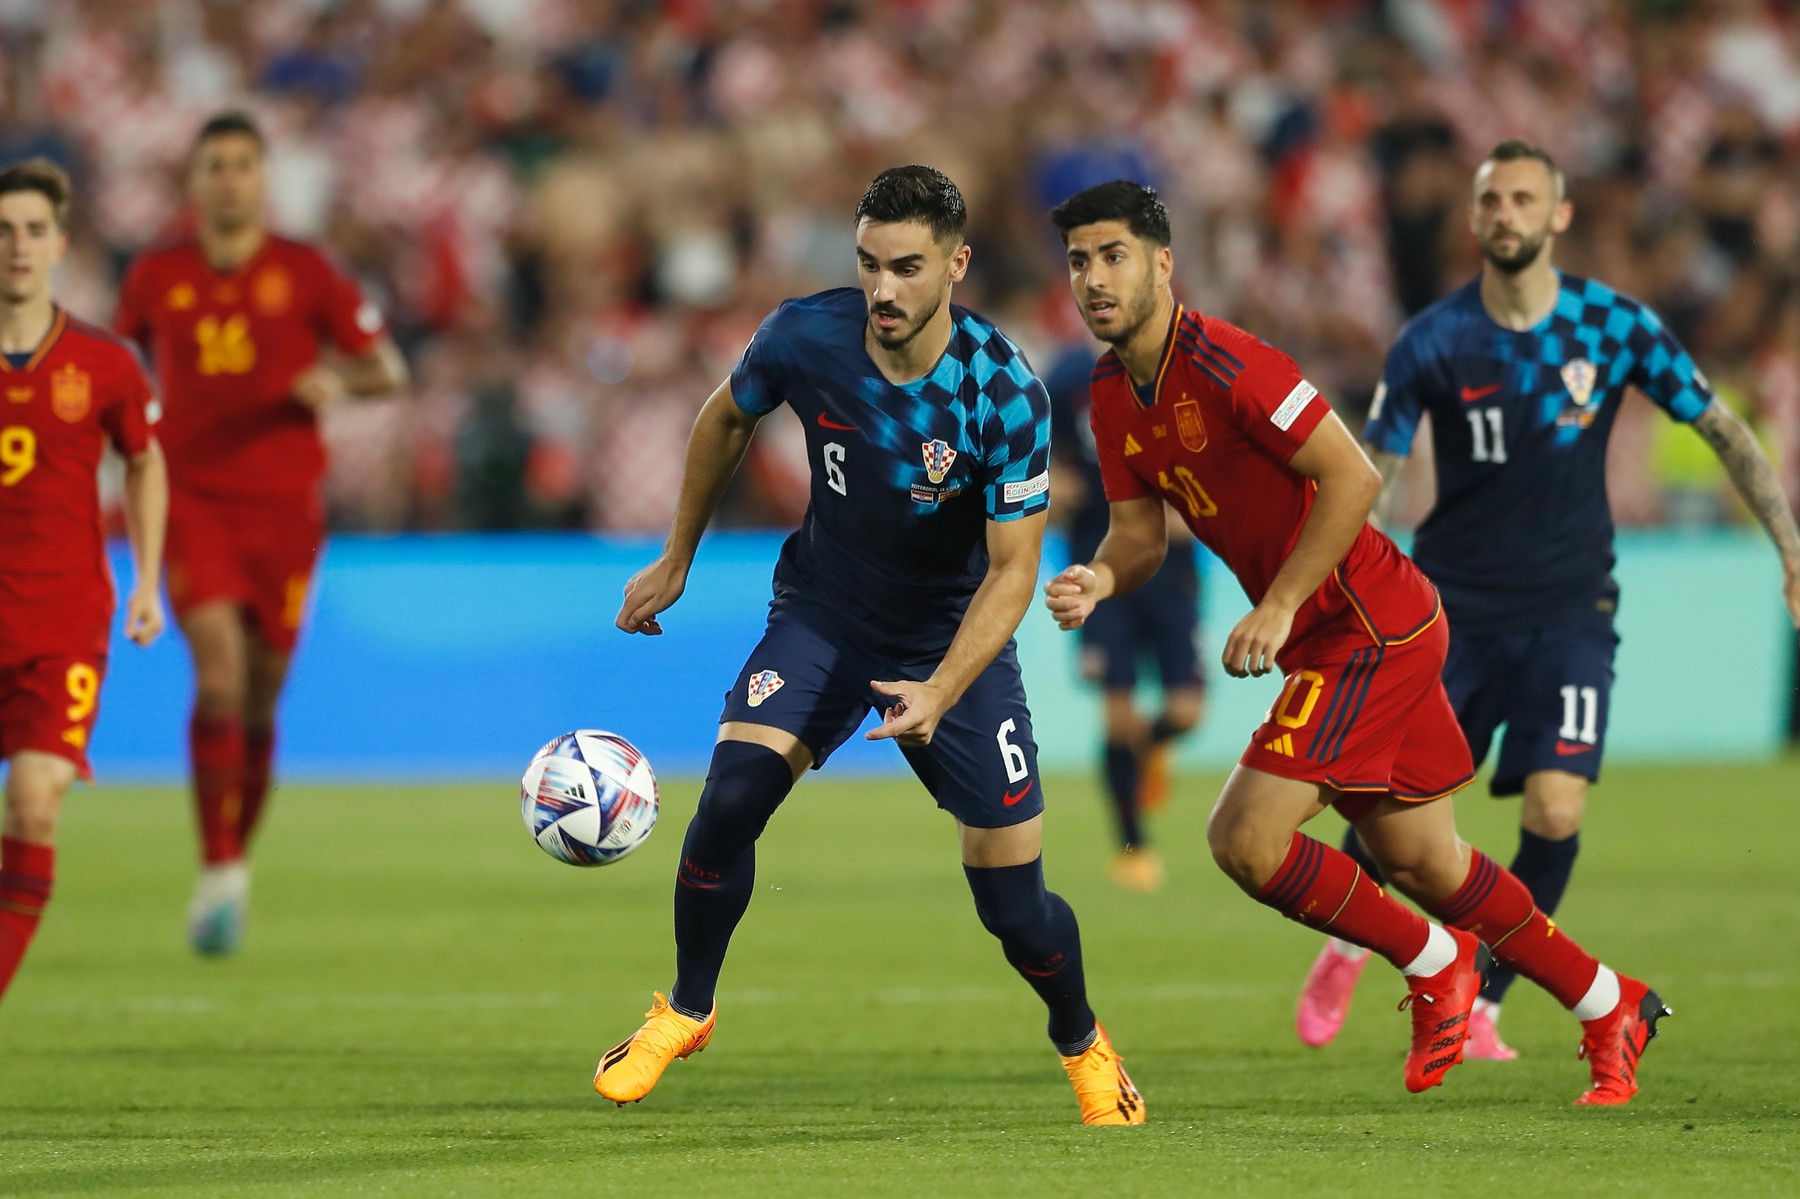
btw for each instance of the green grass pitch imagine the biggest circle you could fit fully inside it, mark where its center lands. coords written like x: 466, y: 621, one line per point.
x: 424, y: 996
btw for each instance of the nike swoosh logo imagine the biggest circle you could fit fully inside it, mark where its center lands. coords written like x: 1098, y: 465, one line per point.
x: 1568, y: 749
x: 825, y: 422
x: 1009, y: 799
x: 1471, y: 394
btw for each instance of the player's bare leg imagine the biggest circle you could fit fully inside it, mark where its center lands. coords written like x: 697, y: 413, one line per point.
x: 1419, y: 853
x: 753, y: 768
x: 1255, y: 838
x: 266, y: 677
x: 1037, y: 931
x: 220, y: 646
x: 36, y: 783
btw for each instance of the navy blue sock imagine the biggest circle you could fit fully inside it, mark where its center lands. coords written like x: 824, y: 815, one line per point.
x: 1354, y: 847
x: 1123, y: 772
x: 717, y: 874
x: 1041, y: 940
x: 1544, y: 867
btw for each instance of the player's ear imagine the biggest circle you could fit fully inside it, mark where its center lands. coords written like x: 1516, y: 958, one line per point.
x: 1163, y: 263
x: 1560, y: 218
x: 959, y: 262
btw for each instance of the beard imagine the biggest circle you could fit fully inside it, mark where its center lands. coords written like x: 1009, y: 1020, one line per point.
x: 901, y: 335
x: 1133, y: 313
x: 1524, y: 255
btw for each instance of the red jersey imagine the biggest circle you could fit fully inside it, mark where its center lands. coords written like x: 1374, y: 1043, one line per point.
x: 83, y: 387
x: 227, y: 347
x: 1226, y: 414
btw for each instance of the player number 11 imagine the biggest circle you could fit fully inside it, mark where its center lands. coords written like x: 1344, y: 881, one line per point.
x: 1488, y: 435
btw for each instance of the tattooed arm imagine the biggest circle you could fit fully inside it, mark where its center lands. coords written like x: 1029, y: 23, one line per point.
x: 1755, y: 480
x: 1388, y: 466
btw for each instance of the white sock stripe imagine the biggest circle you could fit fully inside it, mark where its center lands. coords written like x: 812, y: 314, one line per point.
x: 1439, y: 951
x: 1601, y: 998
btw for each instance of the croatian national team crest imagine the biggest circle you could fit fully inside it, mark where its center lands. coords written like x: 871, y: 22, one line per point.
x: 939, y: 457
x: 71, y: 393
x: 1579, y: 375
x: 763, y: 684
x: 1188, y: 425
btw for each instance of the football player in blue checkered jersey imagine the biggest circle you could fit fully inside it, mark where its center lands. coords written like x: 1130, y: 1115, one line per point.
x: 929, y: 438
x: 1522, y: 372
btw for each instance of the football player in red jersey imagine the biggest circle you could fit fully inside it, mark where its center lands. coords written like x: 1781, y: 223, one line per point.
x: 1192, y: 411
x: 251, y: 335
x: 67, y: 389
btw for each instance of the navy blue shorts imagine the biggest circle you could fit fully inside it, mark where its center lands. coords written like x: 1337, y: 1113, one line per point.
x: 809, y: 677
x: 1550, y: 687
x: 1160, y: 621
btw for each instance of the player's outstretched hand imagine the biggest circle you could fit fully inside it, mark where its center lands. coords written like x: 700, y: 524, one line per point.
x: 319, y: 387
x: 649, y: 593
x: 913, y: 716
x: 1253, y: 644
x: 1071, y: 596
x: 144, y: 615
x: 1790, y: 591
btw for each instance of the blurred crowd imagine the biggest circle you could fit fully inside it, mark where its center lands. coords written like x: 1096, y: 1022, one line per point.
x: 576, y: 211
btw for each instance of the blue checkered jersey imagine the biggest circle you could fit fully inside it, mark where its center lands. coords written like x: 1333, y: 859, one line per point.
x: 1521, y: 534
x: 905, y: 476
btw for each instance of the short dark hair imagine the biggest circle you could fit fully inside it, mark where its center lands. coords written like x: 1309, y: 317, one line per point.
x: 230, y: 124
x: 916, y: 193
x: 44, y: 177
x: 1120, y: 200
x: 1515, y: 149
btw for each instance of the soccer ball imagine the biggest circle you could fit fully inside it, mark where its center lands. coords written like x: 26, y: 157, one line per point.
x: 588, y: 798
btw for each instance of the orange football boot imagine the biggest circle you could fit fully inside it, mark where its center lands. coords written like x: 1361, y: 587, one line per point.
x: 629, y: 1070
x: 1102, y: 1086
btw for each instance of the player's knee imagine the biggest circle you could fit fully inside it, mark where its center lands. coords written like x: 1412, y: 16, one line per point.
x: 218, y: 692
x: 1010, y: 900
x: 1554, y: 815
x: 33, y: 801
x: 746, y: 784
x: 1242, y: 851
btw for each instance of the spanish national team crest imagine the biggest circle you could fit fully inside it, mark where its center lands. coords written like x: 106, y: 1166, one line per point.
x: 939, y: 457
x: 1579, y: 376
x: 1188, y: 425
x: 71, y: 393
x: 763, y: 684
x: 182, y: 297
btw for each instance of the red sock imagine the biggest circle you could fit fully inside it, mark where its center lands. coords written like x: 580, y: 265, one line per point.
x: 26, y: 871
x: 1496, y: 907
x: 1324, y: 888
x: 259, y: 756
x: 217, y: 746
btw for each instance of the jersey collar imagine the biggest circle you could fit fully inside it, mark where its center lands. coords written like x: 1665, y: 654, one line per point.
x: 1162, y: 370
x: 58, y: 321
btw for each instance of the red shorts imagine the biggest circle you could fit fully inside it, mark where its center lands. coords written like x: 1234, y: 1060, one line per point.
x: 49, y: 705
x: 1369, y: 721
x: 259, y: 556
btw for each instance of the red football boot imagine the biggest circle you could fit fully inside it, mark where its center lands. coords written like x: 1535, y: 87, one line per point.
x: 1440, y: 1006
x: 1613, y: 1044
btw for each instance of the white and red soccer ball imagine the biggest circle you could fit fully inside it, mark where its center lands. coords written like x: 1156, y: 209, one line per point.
x: 588, y: 798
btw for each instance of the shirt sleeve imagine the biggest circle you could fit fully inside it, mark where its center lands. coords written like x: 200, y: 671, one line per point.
x: 352, y: 322
x: 1399, y: 400
x: 1016, y: 470
x: 755, y: 380
x: 1664, y: 371
x: 128, y: 419
x: 1275, y: 407
x: 1118, y: 480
